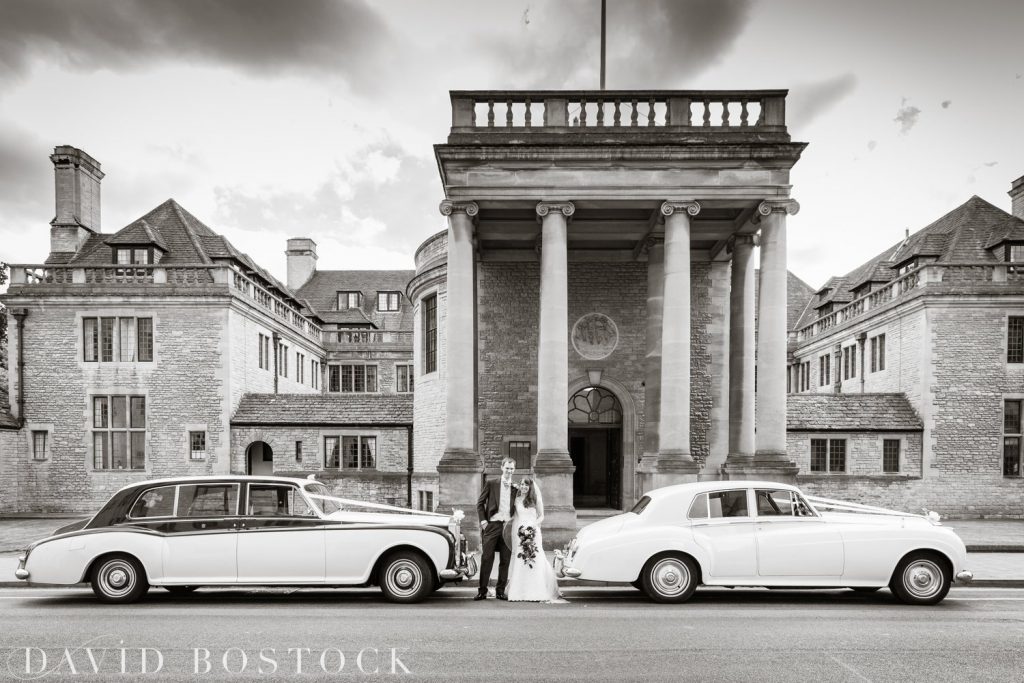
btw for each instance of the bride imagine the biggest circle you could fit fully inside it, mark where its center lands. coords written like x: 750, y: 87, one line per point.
x: 531, y: 578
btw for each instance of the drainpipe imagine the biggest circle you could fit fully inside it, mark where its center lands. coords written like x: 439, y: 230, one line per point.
x: 277, y: 341
x: 19, y: 315
x: 861, y: 340
x: 408, y: 487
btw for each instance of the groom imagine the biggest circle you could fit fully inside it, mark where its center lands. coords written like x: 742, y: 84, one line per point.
x: 495, y: 507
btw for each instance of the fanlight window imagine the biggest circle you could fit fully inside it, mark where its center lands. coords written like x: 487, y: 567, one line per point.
x: 594, y: 405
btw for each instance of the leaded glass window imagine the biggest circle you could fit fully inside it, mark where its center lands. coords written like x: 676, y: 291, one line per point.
x: 594, y: 405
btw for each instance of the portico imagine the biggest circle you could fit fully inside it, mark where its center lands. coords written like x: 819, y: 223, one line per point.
x: 592, y: 246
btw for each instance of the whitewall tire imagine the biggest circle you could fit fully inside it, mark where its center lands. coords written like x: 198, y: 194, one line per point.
x: 118, y: 578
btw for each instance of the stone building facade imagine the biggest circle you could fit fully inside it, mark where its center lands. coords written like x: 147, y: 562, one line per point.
x: 596, y: 307
x: 936, y: 320
x: 132, y: 351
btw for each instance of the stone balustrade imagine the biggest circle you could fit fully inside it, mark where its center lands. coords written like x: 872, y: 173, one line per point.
x: 177, y: 275
x: 368, y: 337
x: 931, y: 275
x: 624, y: 111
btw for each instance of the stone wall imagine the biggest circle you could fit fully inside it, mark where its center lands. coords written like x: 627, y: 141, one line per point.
x: 184, y: 387
x: 12, y: 458
x: 508, y: 314
x: 430, y: 402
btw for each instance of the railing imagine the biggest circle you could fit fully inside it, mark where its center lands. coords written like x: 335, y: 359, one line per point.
x: 368, y: 337
x: 187, y: 275
x: 247, y: 288
x: 494, y: 110
x: 922, y: 277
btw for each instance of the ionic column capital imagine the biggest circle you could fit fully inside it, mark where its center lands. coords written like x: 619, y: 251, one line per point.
x: 567, y: 209
x: 671, y: 206
x: 449, y: 206
x: 770, y: 206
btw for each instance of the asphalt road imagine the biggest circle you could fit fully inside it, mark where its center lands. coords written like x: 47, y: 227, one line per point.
x: 977, y: 634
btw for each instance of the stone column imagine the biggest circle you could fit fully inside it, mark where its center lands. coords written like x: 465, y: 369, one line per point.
x: 459, y: 469
x: 675, y: 464
x: 741, y: 352
x: 652, y: 362
x: 771, y: 339
x: 553, y: 466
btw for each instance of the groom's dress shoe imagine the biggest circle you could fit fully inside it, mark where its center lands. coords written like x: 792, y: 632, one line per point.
x: 502, y: 596
x: 480, y: 596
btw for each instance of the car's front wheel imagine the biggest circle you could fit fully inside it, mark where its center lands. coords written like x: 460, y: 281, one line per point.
x: 670, y: 578
x: 119, y: 579
x: 405, y: 577
x: 921, y: 578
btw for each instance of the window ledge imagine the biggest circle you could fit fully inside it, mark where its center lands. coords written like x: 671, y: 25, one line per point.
x: 825, y: 476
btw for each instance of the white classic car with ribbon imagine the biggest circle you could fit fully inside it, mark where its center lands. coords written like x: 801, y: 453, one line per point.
x: 185, y: 533
x: 758, y: 533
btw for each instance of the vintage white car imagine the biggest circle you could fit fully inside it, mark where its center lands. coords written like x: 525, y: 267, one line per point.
x: 185, y: 533
x: 758, y: 533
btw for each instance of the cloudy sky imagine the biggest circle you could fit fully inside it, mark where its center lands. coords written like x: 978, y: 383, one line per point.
x: 272, y: 119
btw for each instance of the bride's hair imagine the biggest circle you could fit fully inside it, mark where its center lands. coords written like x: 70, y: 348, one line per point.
x: 530, y: 499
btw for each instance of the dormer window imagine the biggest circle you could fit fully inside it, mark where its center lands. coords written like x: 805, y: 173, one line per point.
x: 388, y: 301
x: 907, y: 267
x: 133, y: 256
x: 823, y: 294
x: 349, y: 300
x: 1015, y: 253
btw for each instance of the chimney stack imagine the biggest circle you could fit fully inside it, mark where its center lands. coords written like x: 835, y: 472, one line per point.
x: 77, y: 179
x: 1017, y: 197
x: 301, y: 254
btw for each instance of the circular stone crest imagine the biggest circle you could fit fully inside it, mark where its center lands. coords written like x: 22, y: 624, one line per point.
x: 595, y: 336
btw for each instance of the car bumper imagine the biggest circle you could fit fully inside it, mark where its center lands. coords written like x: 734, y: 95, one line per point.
x: 467, y: 569
x: 965, y: 576
x: 563, y: 569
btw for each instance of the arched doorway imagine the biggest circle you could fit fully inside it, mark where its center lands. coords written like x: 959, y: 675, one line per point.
x: 259, y: 458
x: 595, y: 446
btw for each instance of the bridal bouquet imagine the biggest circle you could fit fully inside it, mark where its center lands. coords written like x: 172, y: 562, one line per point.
x: 527, y: 545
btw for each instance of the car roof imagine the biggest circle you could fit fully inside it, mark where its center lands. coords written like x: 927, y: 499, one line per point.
x: 240, y: 478
x: 717, y: 485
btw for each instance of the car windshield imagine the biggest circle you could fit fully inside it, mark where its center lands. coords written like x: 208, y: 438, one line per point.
x: 325, y: 506
x: 641, y: 505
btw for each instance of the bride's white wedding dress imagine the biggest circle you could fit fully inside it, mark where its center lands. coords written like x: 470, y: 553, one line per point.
x: 525, y: 583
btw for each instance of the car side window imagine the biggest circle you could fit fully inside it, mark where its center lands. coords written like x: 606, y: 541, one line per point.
x: 207, y: 500
x: 780, y: 503
x: 158, y: 502
x: 275, y: 500
x: 699, y: 507
x: 727, y: 503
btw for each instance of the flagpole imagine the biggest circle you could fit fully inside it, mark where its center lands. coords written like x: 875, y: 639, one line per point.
x: 603, y: 22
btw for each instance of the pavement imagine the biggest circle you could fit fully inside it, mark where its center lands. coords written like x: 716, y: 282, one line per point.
x: 995, y: 547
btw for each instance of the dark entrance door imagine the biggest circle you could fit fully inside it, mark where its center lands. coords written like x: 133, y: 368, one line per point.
x: 596, y: 453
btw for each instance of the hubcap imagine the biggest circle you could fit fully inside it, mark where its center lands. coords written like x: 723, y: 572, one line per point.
x: 117, y: 578
x: 403, y: 578
x: 670, y: 577
x: 923, y: 579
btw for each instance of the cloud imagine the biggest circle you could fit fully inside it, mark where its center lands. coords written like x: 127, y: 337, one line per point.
x: 872, y: 144
x: 807, y: 102
x: 946, y: 103
x: 334, y: 37
x: 907, y: 116
x: 650, y: 43
x: 360, y: 207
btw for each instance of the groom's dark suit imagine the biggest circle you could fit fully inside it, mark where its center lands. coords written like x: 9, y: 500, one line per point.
x: 491, y: 537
